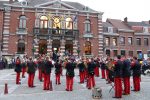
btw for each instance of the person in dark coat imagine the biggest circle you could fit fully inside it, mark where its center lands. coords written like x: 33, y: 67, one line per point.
x: 118, y: 77
x: 96, y: 70
x: 40, y: 65
x: 91, y: 81
x: 126, y: 73
x: 18, y: 70
x: 58, y: 67
x: 136, y: 68
x: 31, y: 72
x: 69, y: 75
x: 103, y: 67
x: 81, y: 67
x: 47, y: 72
x: 24, y: 66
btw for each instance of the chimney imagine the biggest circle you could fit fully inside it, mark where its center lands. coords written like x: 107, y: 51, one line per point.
x: 126, y: 20
x: 10, y: 1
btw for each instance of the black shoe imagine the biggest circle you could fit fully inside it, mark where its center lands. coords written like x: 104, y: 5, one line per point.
x: 116, y: 97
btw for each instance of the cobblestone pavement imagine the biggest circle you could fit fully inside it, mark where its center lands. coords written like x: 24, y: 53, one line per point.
x: 22, y: 92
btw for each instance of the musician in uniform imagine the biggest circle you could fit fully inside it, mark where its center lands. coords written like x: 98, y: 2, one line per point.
x: 136, y: 68
x: 96, y: 70
x: 69, y: 75
x: 103, y: 67
x: 24, y: 66
x: 47, y: 73
x: 91, y: 80
x: 18, y: 70
x: 126, y: 73
x: 118, y: 77
x: 31, y: 71
x: 58, y: 67
x: 81, y: 67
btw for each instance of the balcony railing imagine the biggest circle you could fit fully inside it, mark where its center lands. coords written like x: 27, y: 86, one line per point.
x: 21, y: 31
x: 56, y: 32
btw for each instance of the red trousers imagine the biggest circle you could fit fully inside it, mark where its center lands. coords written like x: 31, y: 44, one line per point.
x: 46, y: 81
x: 107, y: 73
x: 82, y: 77
x: 118, y: 87
x: 18, y: 78
x: 69, y: 83
x: 58, y: 78
x: 103, y: 73
x: 40, y: 75
x: 23, y: 71
x: 126, y: 81
x: 96, y: 71
x: 91, y: 81
x: 31, y: 79
x: 136, y: 83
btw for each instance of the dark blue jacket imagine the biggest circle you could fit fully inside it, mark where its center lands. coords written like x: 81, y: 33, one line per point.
x: 118, y: 69
x: 126, y: 72
x: 136, y: 68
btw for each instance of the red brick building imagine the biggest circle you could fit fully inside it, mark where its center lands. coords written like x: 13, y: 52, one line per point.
x: 42, y: 26
x: 126, y: 38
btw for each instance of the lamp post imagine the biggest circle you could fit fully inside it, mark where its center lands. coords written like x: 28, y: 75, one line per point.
x: 78, y: 50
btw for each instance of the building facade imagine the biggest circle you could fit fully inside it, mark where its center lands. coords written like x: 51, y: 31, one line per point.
x: 126, y: 38
x: 33, y: 27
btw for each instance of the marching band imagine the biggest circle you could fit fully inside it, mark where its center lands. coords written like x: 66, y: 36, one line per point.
x: 117, y: 71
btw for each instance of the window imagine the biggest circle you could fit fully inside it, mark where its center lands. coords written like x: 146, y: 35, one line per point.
x: 114, y: 41
x: 115, y: 53
x: 43, y: 22
x: 148, y: 53
x: 122, y: 40
x: 110, y: 30
x: 69, y: 23
x: 107, y: 41
x: 138, y: 41
x: 22, y: 22
x: 145, y: 29
x: 87, y: 48
x: 131, y: 53
x: 21, y: 46
x: 123, y: 52
x: 87, y: 26
x: 130, y: 40
x: 146, y: 42
x: 140, y: 55
x: 56, y: 22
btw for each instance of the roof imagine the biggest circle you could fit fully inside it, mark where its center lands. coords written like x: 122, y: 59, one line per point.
x: 106, y: 24
x: 2, y: 2
x: 118, y: 24
x: 35, y: 3
x: 138, y: 24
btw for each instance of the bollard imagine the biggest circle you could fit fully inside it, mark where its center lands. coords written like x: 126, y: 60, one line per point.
x: 51, y: 86
x: 6, y: 89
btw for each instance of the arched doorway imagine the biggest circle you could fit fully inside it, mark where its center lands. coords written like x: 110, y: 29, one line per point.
x: 56, y: 46
x: 87, y: 48
x: 69, y: 47
x: 42, y: 46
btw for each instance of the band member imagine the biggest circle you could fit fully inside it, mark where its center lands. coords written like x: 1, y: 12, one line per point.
x: 18, y: 70
x: 47, y: 73
x: 109, y: 70
x: 69, y: 75
x: 81, y: 67
x: 31, y: 71
x: 91, y: 80
x: 103, y: 67
x: 96, y: 70
x: 24, y: 66
x: 126, y: 73
x: 58, y: 71
x: 117, y: 77
x: 40, y: 65
x: 136, y: 67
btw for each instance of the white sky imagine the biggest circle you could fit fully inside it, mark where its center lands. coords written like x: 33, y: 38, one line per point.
x: 135, y: 10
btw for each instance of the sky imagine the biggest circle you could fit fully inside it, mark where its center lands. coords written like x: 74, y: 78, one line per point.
x: 135, y: 10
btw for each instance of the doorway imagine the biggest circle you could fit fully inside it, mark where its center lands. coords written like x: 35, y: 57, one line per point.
x: 56, y: 46
x: 69, y: 47
x: 43, y: 47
